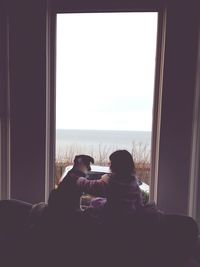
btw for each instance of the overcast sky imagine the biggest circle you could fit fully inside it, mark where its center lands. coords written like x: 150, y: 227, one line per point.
x: 105, y: 71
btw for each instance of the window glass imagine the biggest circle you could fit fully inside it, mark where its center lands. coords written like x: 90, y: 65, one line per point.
x: 105, y: 87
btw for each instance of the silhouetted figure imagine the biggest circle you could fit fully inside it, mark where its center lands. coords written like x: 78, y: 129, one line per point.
x: 67, y: 196
x: 120, y: 188
x: 116, y: 227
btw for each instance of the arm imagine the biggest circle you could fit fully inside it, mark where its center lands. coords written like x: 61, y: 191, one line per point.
x: 93, y: 187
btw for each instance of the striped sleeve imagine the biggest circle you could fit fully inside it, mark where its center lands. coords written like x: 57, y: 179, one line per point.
x: 93, y: 187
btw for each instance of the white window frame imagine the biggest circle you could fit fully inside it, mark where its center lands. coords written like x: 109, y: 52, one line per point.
x: 4, y: 106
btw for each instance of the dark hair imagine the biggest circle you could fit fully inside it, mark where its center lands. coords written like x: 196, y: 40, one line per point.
x: 122, y: 162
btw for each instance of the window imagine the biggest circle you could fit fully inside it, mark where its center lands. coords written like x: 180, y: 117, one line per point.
x: 105, y: 86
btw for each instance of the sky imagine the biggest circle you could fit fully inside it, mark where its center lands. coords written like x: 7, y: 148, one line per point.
x: 105, y: 65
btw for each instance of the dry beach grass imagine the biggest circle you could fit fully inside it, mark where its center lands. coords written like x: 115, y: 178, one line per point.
x: 139, y: 151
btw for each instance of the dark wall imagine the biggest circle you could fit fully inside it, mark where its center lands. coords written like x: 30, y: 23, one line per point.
x: 27, y: 44
x: 177, y: 106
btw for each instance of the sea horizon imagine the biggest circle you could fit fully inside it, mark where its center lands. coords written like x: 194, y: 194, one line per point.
x: 107, y: 130
x: 98, y: 141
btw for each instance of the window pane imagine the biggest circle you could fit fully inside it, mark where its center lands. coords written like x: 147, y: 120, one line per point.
x: 105, y: 86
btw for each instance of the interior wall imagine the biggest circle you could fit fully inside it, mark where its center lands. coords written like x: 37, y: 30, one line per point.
x: 27, y: 48
x: 177, y: 107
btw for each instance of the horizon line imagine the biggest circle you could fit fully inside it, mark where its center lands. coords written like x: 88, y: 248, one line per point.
x: 104, y: 130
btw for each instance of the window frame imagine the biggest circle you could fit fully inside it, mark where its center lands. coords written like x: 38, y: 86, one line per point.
x: 194, y: 184
x: 60, y: 6
x: 4, y: 105
x: 76, y: 6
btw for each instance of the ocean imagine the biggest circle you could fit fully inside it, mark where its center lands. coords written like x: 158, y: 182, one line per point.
x: 99, y: 142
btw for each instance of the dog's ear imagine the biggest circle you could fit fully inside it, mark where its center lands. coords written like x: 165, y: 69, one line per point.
x: 91, y: 160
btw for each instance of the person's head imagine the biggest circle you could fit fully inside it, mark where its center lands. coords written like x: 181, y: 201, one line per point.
x: 82, y: 163
x: 121, y: 162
